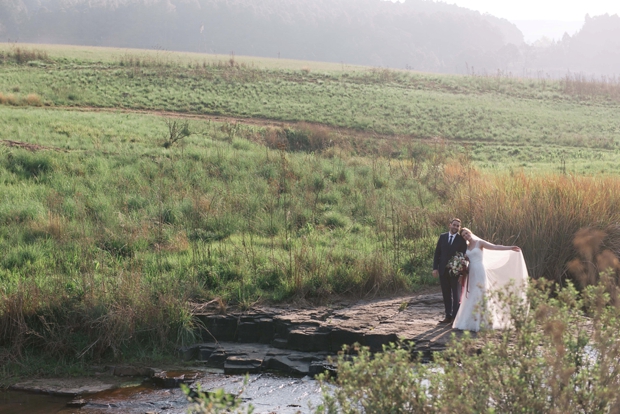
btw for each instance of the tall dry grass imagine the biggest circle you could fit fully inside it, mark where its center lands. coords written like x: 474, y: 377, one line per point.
x: 579, y: 84
x: 105, y: 321
x: 32, y: 99
x: 22, y: 55
x: 305, y: 137
x: 542, y: 215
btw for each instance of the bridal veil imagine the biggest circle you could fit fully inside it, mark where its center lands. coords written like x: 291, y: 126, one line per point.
x: 506, y: 274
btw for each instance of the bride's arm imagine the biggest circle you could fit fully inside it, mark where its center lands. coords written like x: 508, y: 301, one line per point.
x: 486, y: 245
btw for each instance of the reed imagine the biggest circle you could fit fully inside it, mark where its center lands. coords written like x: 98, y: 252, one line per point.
x: 542, y: 214
x: 578, y: 84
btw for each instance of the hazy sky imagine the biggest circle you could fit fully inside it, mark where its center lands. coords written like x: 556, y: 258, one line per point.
x: 552, y: 17
x: 566, y: 10
x: 565, y: 15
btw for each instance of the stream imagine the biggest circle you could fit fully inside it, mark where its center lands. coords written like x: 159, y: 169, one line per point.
x: 295, y: 341
x: 267, y: 393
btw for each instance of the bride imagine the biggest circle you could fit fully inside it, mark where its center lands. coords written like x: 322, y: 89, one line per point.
x: 491, y: 268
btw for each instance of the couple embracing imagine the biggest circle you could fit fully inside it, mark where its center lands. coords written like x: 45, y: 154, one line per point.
x: 467, y: 298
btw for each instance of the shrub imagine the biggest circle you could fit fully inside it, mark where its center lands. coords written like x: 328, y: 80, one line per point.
x: 29, y: 164
x: 215, y: 402
x: 177, y: 131
x: 116, y: 246
x: 335, y: 220
x: 18, y: 259
x: 308, y: 137
x: 21, y: 55
x: 561, y: 356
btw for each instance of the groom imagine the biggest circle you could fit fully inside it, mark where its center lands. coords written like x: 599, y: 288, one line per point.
x: 447, y: 246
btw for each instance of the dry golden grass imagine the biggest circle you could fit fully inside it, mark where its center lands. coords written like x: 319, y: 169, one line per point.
x: 581, y: 85
x: 178, y: 243
x: 111, y: 54
x: 12, y: 99
x: 33, y: 99
x: 542, y: 214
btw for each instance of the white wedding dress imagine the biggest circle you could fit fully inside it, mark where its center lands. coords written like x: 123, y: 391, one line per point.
x: 490, y: 271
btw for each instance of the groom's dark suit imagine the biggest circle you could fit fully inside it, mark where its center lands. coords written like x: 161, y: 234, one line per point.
x: 450, y: 287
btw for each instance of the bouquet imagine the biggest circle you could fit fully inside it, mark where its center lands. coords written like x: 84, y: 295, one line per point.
x: 458, y: 265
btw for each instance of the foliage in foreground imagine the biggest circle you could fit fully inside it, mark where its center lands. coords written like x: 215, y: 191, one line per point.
x: 562, y: 356
x: 215, y: 402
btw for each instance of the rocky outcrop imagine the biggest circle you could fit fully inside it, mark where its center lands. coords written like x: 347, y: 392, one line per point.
x: 298, y: 341
x: 289, y: 340
x: 236, y: 358
x: 65, y: 387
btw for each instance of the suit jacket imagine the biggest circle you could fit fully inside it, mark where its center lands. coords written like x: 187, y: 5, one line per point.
x: 446, y: 251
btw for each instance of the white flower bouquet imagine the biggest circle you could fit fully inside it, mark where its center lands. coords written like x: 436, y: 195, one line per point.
x: 458, y: 265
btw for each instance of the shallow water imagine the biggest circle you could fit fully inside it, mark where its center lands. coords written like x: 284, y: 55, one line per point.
x: 267, y: 393
x: 16, y: 402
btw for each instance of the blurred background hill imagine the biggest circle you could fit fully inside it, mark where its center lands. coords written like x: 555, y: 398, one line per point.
x: 418, y: 34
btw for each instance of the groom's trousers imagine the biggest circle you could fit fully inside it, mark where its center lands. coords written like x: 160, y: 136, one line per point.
x: 451, y: 291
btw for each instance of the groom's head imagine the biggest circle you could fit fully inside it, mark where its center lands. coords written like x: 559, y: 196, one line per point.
x: 455, y: 225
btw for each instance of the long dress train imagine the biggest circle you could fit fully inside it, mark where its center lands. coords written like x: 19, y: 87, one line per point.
x: 490, y: 271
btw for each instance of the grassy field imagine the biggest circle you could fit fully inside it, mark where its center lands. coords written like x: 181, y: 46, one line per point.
x: 164, y: 57
x: 114, y: 238
x: 313, y: 183
x: 472, y: 109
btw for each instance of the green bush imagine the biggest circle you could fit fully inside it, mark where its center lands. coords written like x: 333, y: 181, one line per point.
x: 560, y: 356
x: 335, y: 220
x: 29, y: 164
x: 117, y: 246
x: 215, y: 402
x: 19, y: 258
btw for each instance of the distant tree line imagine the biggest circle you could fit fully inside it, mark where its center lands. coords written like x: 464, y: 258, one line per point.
x: 418, y: 34
x: 594, y: 50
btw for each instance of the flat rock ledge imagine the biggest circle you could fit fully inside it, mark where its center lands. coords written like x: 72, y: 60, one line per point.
x: 111, y: 378
x: 66, y: 387
x: 298, y: 341
x: 238, y: 359
x: 284, y: 339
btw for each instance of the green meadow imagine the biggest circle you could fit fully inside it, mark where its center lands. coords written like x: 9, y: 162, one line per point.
x: 321, y: 181
x: 493, y: 109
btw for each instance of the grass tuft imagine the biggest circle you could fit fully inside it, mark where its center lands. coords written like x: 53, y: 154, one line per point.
x: 33, y: 99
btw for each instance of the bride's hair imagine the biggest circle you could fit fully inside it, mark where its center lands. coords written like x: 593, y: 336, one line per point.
x: 473, y: 236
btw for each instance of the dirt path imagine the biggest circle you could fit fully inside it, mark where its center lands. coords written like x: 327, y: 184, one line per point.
x: 274, y: 123
x: 259, y: 122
